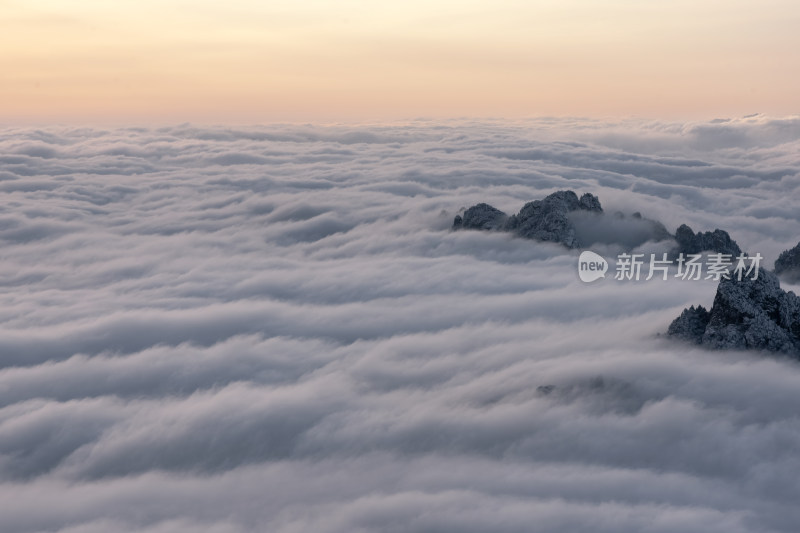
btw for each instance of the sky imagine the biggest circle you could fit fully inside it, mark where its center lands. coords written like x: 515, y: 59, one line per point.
x: 273, y: 328
x: 249, y: 61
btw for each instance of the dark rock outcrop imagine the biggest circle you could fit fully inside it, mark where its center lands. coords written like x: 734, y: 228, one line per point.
x: 548, y: 219
x: 543, y: 220
x: 481, y: 216
x: 691, y: 325
x: 746, y: 314
x: 565, y: 218
x: 718, y: 241
x: 787, y: 265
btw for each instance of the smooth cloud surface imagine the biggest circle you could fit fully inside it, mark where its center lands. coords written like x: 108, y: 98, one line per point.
x: 273, y: 329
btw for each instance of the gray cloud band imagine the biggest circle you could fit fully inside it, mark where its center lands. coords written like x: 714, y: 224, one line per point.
x: 238, y: 330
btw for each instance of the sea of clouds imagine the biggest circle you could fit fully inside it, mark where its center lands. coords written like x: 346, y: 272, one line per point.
x: 232, y: 330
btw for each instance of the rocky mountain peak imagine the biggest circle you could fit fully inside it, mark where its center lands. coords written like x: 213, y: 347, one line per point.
x: 747, y: 313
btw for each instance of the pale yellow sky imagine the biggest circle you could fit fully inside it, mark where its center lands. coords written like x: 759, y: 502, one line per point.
x: 353, y: 60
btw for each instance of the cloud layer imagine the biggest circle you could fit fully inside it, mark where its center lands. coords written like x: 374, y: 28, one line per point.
x: 236, y: 330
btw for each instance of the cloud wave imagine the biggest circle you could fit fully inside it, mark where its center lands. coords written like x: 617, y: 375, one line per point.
x: 272, y: 328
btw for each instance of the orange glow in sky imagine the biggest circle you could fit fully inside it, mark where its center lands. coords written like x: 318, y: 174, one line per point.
x: 322, y: 60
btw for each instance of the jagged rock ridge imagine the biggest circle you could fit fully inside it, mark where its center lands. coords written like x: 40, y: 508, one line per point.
x: 691, y: 324
x: 543, y: 220
x: 747, y: 313
x: 553, y: 219
x: 548, y: 219
x: 481, y: 216
x: 718, y: 241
